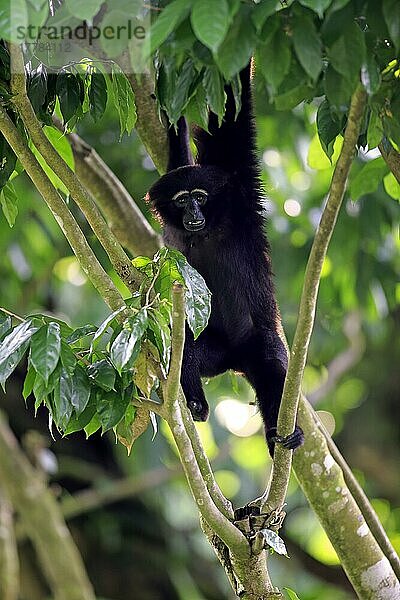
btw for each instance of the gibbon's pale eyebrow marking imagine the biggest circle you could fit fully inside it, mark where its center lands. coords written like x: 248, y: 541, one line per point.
x: 199, y: 190
x: 180, y: 193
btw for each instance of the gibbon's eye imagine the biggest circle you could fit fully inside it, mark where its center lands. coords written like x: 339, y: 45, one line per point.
x: 200, y: 196
x: 180, y: 198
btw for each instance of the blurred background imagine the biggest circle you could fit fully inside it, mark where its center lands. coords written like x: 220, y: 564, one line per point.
x: 133, y: 518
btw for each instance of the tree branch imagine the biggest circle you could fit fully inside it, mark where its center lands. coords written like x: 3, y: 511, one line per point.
x: 118, y: 258
x: 42, y: 521
x: 85, y: 255
x: 308, y: 302
x: 123, y: 216
x: 9, y: 563
x: 392, y: 159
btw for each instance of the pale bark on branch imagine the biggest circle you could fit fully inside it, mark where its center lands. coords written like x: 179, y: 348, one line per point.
x: 9, y: 562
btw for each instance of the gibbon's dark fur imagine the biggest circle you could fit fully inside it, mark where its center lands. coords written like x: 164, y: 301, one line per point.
x: 217, y: 224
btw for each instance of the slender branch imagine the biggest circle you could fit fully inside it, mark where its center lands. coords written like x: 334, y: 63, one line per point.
x: 363, y: 503
x: 223, y: 527
x: 42, y: 521
x: 85, y: 255
x: 9, y: 563
x: 123, y: 216
x: 392, y: 159
x: 308, y: 302
x: 120, y: 261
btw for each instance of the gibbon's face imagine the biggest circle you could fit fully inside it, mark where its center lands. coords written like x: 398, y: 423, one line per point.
x: 188, y: 197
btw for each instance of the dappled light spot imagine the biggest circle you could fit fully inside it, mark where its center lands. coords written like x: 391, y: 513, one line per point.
x: 240, y: 419
x: 68, y: 269
x: 292, y: 207
x: 272, y: 158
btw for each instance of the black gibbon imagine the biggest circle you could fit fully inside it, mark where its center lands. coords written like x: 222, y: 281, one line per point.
x: 212, y: 213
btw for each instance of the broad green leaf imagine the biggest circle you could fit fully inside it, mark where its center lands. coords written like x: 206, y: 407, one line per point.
x: 274, y: 58
x: 317, y: 159
x: 111, y: 407
x: 69, y: 95
x: 292, y: 595
x: 126, y: 430
x: 97, y: 95
x: 8, y: 201
x: 262, y: 11
x: 127, y: 344
x: 85, y: 11
x: 5, y: 324
x: 215, y: 93
x: 41, y: 390
x: 68, y: 358
x: 8, y: 161
x: 294, y: 88
x: 183, y: 91
x: 391, y: 12
x: 145, y: 371
x: 80, y: 392
x: 15, y: 339
x: 338, y: 90
x: 80, y: 333
x: 29, y: 382
x: 197, y: 294
x: 102, y: 374
x: 238, y: 46
x: 348, y: 52
x: 37, y: 87
x: 124, y: 100
x: 368, y: 178
x: 62, y: 400
x: 392, y: 186
x: 79, y: 422
x: 318, y: 6
x: 61, y: 144
x: 328, y: 128
x: 167, y: 21
x: 210, y: 22
x: 144, y: 264
x: 370, y: 75
x: 8, y: 365
x: 55, y: 180
x: 274, y: 541
x: 45, y: 349
x: 375, y: 131
x: 307, y: 45
x: 93, y: 425
x: 103, y: 328
x: 162, y: 336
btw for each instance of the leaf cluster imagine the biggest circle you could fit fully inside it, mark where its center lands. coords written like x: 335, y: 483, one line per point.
x: 92, y: 377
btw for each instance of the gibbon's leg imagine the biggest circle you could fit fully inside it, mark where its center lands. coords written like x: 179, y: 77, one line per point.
x: 264, y: 363
x: 204, y: 357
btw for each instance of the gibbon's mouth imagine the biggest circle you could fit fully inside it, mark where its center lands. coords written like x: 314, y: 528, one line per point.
x: 195, y: 225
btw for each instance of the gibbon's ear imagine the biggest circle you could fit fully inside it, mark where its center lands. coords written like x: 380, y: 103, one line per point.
x: 180, y: 154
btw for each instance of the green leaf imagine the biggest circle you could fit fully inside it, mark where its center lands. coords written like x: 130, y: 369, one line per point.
x: 166, y: 23
x: 8, y: 365
x: 347, y: 53
x: 162, y: 336
x: 210, y: 22
x: 14, y: 340
x: 368, y: 178
x: 62, y: 406
x: 80, y: 333
x: 375, y: 131
x: 318, y: 6
x: 45, y: 349
x: 274, y: 58
x: 103, y: 374
x: 8, y: 161
x: 184, y: 89
x: 79, y: 422
x: 292, y: 595
x: 328, y: 128
x: 97, y: 95
x: 84, y: 11
x: 392, y: 186
x: 8, y: 201
x: 307, y: 45
x: 124, y: 100
x: 238, y: 46
x: 61, y: 144
x: 68, y: 358
x: 93, y: 425
x: 103, y: 328
x: 111, y: 407
x: 80, y: 392
x: 69, y: 94
x: 37, y: 87
x: 391, y: 12
x: 125, y: 430
x: 215, y: 93
x: 5, y: 324
x: 370, y: 75
x: 338, y: 90
x: 197, y: 294
x: 126, y: 346
x: 144, y: 264
x: 29, y: 382
x: 262, y: 11
x: 274, y: 541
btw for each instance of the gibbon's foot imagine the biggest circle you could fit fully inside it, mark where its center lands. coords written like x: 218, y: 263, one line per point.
x: 290, y: 442
x: 199, y: 410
